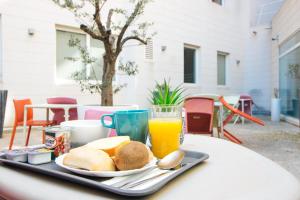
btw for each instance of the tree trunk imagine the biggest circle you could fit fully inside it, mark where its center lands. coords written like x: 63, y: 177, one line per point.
x: 107, y: 95
x: 107, y: 81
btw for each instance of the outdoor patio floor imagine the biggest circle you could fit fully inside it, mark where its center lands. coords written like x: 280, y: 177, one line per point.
x: 279, y: 142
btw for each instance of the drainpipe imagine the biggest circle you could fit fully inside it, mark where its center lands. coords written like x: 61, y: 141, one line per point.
x: 3, y: 99
x: 299, y: 105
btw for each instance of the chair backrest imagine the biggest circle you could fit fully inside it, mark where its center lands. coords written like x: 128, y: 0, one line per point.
x: 238, y: 112
x: 59, y: 113
x: 215, y: 97
x: 245, y: 96
x: 247, y: 102
x: 94, y: 114
x: 19, y: 110
x: 199, y: 113
x: 61, y: 100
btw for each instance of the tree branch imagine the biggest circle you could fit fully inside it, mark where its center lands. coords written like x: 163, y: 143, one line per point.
x: 98, y: 19
x: 90, y: 32
x: 138, y: 7
x: 133, y: 38
x: 108, y: 22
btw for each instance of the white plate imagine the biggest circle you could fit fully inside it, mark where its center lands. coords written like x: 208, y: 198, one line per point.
x: 59, y: 162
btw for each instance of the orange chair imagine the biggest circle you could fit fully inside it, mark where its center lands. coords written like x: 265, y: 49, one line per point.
x: 233, y: 111
x: 19, y: 120
x: 199, y: 114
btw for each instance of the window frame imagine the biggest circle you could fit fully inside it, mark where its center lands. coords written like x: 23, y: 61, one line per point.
x: 226, y: 67
x: 291, y: 47
x: 88, y: 46
x: 197, y: 62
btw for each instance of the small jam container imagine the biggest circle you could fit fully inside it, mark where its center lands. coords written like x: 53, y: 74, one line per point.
x: 39, y: 156
x: 57, y: 140
x: 17, y: 155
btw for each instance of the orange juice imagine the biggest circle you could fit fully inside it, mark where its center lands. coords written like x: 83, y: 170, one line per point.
x: 165, y: 135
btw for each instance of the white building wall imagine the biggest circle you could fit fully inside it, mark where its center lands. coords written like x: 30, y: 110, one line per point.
x: 29, y: 61
x: 258, y: 53
x: 199, y: 23
x: 285, y: 24
x: 257, y: 78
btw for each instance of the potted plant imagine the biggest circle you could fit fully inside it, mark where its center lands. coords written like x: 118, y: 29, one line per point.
x: 293, y: 71
x: 164, y: 95
x: 294, y: 74
x: 275, y: 107
x: 119, y: 26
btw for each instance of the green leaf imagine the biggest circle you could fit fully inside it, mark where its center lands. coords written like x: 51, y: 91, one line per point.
x: 163, y: 94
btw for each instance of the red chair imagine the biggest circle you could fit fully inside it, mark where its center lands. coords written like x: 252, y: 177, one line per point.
x: 19, y: 120
x: 59, y: 114
x: 199, y: 114
x: 233, y: 111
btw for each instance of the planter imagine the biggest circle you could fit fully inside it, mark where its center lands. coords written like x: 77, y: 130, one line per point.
x: 295, y: 103
x: 85, y: 131
x: 3, y: 99
x: 82, y: 109
x: 275, y: 110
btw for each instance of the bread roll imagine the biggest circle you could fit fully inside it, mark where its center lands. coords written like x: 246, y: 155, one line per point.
x: 133, y: 155
x: 89, y: 159
x: 109, y: 145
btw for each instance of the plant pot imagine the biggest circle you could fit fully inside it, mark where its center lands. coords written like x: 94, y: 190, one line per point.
x: 275, y: 110
x: 82, y: 109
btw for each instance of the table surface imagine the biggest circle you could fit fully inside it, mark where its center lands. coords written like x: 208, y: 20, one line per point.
x: 231, y: 173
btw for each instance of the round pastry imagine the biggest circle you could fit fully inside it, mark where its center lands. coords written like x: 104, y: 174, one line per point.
x: 133, y: 155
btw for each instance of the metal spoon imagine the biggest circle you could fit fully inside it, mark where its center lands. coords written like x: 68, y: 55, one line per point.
x: 170, y: 161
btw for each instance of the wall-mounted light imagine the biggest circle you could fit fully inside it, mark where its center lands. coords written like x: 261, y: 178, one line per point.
x: 276, y: 38
x: 31, y: 31
x: 163, y: 48
x: 254, y: 33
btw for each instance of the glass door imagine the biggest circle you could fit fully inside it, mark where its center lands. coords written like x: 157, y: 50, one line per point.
x: 289, y: 82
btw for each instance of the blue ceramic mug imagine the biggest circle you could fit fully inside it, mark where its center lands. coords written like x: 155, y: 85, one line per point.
x: 132, y: 123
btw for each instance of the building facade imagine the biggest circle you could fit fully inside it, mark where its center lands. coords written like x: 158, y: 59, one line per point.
x: 286, y: 58
x: 210, y: 46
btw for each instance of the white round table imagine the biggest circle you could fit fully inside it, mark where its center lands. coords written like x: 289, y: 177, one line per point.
x: 231, y: 173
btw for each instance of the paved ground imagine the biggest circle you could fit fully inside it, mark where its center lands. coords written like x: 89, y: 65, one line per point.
x: 278, y: 141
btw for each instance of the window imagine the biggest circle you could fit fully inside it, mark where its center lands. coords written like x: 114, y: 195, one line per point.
x: 68, y: 59
x: 189, y: 65
x: 149, y: 50
x: 220, y: 2
x: 222, y: 57
x: 96, y: 50
x: 289, y: 76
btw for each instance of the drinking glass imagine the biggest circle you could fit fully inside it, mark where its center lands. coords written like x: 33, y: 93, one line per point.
x: 165, y: 128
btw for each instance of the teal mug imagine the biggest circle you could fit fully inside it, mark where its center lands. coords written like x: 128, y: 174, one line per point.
x: 132, y: 123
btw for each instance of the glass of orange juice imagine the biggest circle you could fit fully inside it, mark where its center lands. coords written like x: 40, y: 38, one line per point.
x: 165, y: 128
